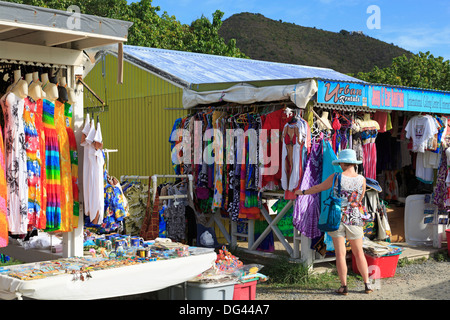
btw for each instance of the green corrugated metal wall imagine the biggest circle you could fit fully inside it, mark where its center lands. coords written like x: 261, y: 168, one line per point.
x: 136, y: 122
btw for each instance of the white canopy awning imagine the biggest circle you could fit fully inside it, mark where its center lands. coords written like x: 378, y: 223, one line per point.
x: 48, y: 27
x: 299, y: 94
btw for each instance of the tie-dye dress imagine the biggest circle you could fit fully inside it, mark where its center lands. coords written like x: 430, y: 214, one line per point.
x: 66, y: 169
x: 52, y: 167
x: 40, y: 129
x: 33, y: 165
x: 68, y: 109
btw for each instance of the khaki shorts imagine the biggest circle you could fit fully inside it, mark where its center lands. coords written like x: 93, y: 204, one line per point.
x: 347, y: 231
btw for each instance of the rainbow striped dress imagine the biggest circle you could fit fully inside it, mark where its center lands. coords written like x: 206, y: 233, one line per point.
x: 53, y: 169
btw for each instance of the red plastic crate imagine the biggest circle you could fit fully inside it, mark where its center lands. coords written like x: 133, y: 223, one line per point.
x: 379, y: 267
x: 245, y: 291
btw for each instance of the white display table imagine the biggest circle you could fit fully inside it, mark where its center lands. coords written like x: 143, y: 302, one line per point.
x: 121, y: 281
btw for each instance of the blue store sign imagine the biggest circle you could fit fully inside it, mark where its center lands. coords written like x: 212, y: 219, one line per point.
x: 383, y: 97
x: 408, y: 99
x: 341, y: 93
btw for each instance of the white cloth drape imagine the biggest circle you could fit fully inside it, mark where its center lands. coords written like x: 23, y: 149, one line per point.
x: 299, y: 94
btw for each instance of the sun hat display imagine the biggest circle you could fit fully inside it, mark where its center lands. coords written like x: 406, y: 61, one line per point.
x: 346, y: 156
x: 373, y: 184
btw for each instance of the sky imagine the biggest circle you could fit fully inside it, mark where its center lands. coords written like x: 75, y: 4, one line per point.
x: 415, y: 25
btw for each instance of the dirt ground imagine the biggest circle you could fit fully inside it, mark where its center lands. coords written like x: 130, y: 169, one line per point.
x: 425, y: 281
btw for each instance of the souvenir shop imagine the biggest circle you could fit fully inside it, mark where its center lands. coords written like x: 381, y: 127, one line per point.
x: 248, y: 159
x: 42, y: 66
x: 54, y: 186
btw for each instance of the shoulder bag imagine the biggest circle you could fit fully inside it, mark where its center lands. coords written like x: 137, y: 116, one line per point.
x: 330, y: 218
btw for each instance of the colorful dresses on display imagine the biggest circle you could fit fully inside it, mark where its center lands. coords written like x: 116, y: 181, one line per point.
x: 248, y: 158
x: 234, y: 187
x: 39, y: 169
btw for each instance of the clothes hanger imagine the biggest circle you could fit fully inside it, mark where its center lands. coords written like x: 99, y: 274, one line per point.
x: 287, y: 111
x: 242, y: 119
x: 346, y: 122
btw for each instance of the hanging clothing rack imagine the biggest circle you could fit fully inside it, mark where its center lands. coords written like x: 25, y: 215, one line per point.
x: 108, y: 151
x: 123, y: 178
x: 173, y: 176
x: 155, y: 178
x: 234, y: 106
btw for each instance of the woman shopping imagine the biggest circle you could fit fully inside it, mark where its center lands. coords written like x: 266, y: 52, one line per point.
x: 353, y: 187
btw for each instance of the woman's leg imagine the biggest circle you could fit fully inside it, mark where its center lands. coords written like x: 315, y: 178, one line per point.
x: 361, y: 261
x: 341, y: 263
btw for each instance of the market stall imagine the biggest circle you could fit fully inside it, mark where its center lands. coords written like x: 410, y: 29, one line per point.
x: 407, y: 155
x: 383, y: 124
x: 41, y: 58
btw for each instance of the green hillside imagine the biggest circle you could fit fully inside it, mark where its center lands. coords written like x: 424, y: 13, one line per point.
x: 261, y: 38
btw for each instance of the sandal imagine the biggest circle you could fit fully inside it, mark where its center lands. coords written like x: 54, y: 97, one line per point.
x: 342, y: 290
x: 368, y: 289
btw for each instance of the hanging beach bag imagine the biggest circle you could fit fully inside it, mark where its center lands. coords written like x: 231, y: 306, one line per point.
x: 330, y: 219
x: 370, y: 224
x: 384, y: 229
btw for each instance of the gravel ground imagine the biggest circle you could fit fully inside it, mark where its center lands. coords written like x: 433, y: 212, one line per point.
x: 424, y: 281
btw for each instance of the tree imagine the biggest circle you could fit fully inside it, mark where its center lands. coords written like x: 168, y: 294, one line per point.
x: 152, y: 30
x: 422, y: 70
x: 206, y: 37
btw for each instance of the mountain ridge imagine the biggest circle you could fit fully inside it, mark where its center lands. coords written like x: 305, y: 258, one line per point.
x: 261, y: 38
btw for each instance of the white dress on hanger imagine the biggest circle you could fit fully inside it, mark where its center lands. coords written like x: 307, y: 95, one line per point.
x: 86, y: 165
x: 16, y: 163
x: 98, y: 188
x: 96, y: 198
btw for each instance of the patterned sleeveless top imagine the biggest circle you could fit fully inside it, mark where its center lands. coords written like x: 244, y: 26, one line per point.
x: 353, y: 212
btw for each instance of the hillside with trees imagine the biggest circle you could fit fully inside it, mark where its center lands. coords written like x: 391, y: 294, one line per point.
x: 348, y: 52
